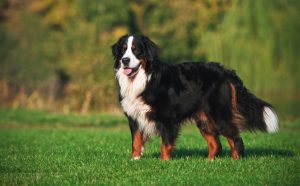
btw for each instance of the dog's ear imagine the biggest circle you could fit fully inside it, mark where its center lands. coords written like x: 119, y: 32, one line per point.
x: 115, y: 48
x: 151, y: 49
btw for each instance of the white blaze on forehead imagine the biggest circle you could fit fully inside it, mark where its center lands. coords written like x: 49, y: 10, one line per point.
x: 129, y: 44
x: 134, y: 62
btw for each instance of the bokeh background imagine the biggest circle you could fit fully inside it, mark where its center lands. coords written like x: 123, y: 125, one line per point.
x: 55, y: 54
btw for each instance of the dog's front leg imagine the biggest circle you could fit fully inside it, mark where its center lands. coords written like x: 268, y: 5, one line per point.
x: 137, y: 145
x: 137, y: 139
x: 168, y: 138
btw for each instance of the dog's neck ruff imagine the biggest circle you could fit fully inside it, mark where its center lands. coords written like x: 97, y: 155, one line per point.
x: 132, y: 103
x: 132, y: 87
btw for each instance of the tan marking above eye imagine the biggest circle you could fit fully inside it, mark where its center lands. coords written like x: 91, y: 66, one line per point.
x: 133, y: 46
x: 124, y: 46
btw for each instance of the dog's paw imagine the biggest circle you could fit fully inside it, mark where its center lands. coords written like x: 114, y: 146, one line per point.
x: 142, y: 151
x: 136, y: 158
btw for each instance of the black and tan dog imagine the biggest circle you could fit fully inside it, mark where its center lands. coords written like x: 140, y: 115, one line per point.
x: 158, y: 97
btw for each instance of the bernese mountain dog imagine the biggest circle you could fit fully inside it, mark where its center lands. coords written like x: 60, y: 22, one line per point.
x: 158, y: 97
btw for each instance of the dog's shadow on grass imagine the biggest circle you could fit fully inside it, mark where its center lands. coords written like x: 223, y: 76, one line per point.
x: 250, y: 152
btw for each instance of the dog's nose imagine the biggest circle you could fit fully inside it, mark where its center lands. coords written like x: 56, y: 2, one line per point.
x: 125, y: 61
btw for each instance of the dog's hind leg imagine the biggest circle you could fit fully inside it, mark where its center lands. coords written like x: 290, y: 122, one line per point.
x: 213, y: 143
x: 237, y: 146
x: 231, y: 132
x: 207, y: 130
x: 225, y: 113
x: 235, y: 141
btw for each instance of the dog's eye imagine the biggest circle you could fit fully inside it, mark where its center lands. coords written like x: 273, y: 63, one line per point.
x: 124, y: 47
x: 135, y: 50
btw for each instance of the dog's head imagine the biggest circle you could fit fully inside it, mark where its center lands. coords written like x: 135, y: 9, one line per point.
x: 131, y: 53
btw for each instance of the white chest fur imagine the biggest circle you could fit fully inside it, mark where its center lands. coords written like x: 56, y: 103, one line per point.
x: 132, y: 103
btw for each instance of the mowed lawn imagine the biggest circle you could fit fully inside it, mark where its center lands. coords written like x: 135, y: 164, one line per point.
x: 55, y: 149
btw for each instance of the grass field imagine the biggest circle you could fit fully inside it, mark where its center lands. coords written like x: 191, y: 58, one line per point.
x: 54, y: 149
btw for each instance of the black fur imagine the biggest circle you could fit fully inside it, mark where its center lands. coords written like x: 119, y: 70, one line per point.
x: 179, y: 92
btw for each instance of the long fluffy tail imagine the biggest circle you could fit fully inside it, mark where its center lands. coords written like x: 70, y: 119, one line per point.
x: 258, y: 114
x: 270, y: 119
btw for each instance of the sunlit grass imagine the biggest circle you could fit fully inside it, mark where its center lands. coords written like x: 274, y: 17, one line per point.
x: 101, y: 155
x: 22, y: 117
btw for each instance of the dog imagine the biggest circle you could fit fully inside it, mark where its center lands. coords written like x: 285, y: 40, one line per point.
x: 157, y: 98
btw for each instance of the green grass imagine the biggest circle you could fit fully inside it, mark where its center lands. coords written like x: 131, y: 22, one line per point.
x: 68, y: 154
x: 31, y: 118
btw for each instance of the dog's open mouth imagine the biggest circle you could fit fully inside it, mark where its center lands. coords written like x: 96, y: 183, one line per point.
x: 130, y: 72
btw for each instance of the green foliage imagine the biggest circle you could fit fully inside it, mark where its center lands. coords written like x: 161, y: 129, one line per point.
x: 179, y: 25
x: 41, y: 40
x: 28, y: 60
x: 37, y: 151
x: 258, y: 39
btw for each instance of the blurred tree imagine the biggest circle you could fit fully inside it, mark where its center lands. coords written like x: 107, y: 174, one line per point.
x: 259, y: 40
x: 179, y: 25
x: 62, y: 47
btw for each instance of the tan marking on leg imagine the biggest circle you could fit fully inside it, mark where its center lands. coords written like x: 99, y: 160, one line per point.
x: 234, y: 152
x: 137, y: 144
x: 210, y: 134
x: 166, y: 151
x: 211, y: 143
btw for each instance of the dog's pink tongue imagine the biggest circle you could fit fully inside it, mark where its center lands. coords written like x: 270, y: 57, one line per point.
x: 127, y: 71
